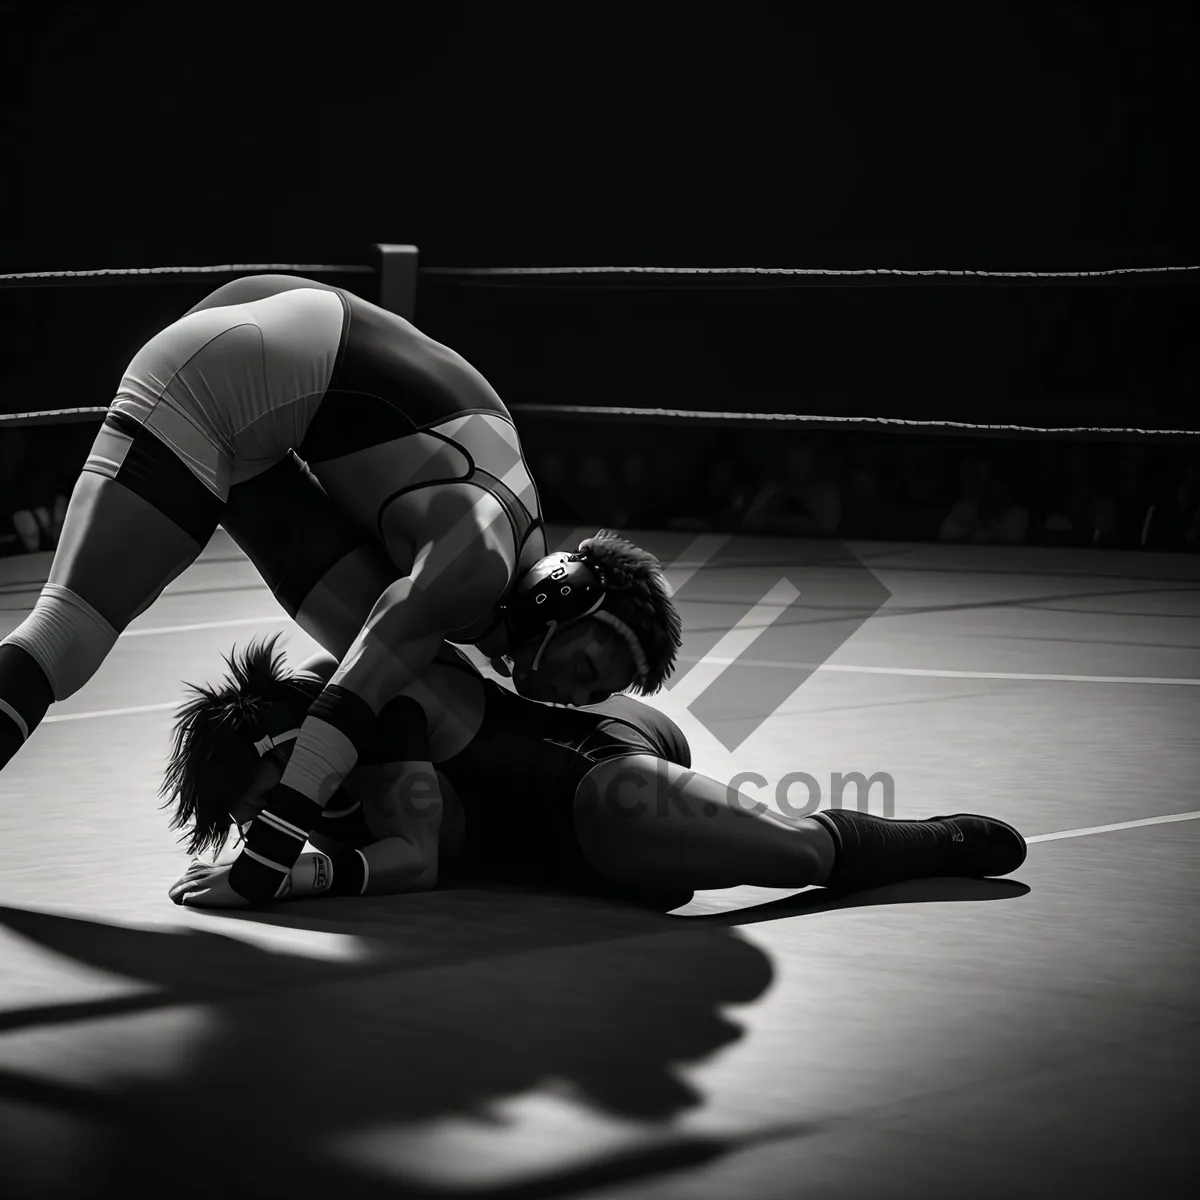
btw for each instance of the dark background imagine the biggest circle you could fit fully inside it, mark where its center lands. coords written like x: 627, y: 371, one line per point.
x: 1005, y: 137
x: 1055, y: 136
x: 1009, y: 137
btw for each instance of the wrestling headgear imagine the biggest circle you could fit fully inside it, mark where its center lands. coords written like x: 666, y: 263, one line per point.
x: 557, y: 591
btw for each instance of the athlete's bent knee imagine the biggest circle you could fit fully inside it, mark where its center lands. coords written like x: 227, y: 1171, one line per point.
x: 66, y: 637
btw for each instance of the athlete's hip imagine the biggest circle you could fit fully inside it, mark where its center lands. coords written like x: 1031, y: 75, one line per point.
x: 235, y: 386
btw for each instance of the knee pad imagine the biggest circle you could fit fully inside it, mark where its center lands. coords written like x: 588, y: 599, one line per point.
x: 337, y: 732
x: 66, y: 637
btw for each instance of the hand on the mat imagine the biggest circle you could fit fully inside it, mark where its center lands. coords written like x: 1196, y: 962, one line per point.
x: 206, y: 885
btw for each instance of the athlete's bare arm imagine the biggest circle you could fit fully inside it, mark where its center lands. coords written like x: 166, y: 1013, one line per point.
x: 462, y: 564
x: 404, y: 811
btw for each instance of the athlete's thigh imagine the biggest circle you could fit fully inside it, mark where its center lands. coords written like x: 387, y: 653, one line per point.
x: 137, y: 518
x: 325, y: 570
x: 643, y: 821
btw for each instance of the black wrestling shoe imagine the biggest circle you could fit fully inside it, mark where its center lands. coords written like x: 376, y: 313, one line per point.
x: 980, y: 847
x: 874, y: 851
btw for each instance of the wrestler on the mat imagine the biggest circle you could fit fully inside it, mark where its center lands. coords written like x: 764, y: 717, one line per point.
x: 221, y: 411
x: 465, y: 777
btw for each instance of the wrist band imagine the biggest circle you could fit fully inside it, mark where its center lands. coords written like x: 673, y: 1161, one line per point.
x: 273, y: 844
x: 350, y: 873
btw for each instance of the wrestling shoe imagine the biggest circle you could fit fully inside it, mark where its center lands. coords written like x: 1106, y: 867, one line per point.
x: 980, y: 847
x: 873, y: 851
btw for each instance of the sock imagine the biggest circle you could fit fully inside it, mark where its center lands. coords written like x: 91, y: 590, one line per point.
x: 873, y: 851
x: 25, y: 695
x: 11, y: 738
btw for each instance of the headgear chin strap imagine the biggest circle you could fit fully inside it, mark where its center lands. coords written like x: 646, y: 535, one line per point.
x: 537, y: 658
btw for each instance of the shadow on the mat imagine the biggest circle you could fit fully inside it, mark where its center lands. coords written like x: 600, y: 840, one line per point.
x: 515, y: 990
x: 296, y: 1053
x: 917, y: 891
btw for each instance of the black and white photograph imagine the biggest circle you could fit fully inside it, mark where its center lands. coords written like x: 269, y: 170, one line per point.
x: 599, y: 603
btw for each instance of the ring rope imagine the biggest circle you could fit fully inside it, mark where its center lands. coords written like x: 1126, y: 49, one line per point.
x: 801, y: 272
x: 672, y: 416
x: 724, y: 418
x: 53, y: 416
x: 602, y: 413
x: 123, y: 273
x: 811, y: 275
x: 762, y: 276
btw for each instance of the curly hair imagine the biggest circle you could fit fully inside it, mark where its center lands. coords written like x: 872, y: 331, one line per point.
x: 639, y: 596
x: 213, y: 760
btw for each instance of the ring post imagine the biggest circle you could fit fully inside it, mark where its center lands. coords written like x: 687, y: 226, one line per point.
x: 397, y: 267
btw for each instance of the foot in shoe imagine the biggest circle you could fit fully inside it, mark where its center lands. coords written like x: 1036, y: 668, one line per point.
x: 981, y: 847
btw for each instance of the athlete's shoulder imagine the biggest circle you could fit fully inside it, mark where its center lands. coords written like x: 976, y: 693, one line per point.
x: 663, y: 734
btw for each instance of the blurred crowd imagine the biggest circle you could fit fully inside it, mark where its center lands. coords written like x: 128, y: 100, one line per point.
x: 911, y: 487
x: 38, y: 468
